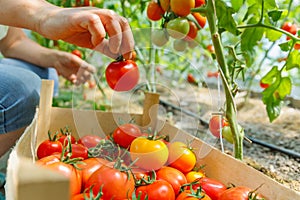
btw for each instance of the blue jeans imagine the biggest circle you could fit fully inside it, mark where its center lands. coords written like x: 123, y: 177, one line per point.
x: 19, y: 92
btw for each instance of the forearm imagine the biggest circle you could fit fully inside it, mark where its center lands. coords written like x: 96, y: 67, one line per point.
x: 24, y: 13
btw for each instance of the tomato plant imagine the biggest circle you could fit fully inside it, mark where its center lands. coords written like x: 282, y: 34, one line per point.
x: 122, y: 75
x: 49, y: 146
x: 149, y: 153
x: 173, y: 176
x: 124, y: 134
x: 159, y: 189
x: 181, y: 157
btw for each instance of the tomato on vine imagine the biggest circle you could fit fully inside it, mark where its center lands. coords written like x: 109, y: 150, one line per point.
x: 154, y: 11
x: 182, y: 8
x: 213, y: 188
x: 178, y: 28
x: 122, y: 75
x: 215, y: 124
x: 124, y: 134
x: 49, y: 146
x: 200, y: 19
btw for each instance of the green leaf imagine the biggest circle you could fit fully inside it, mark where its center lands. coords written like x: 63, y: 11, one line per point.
x: 293, y: 60
x: 275, y: 15
x: 225, y: 19
x: 273, y: 35
x: 250, y: 37
x: 274, y: 95
x: 237, y: 4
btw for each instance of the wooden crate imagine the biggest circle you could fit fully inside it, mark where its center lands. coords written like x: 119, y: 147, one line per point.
x: 26, y: 181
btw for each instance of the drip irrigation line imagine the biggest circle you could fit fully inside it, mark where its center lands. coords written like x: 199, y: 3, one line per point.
x: 253, y: 140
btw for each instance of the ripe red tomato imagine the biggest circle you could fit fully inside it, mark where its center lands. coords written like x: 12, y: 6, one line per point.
x: 212, y: 74
x: 159, y: 189
x: 89, y: 140
x: 238, y: 193
x: 214, y: 124
x: 70, y: 172
x: 181, y: 157
x: 200, y: 19
x: 115, y: 184
x: 289, y: 27
x: 192, y: 195
x: 192, y: 34
x: 149, y: 154
x: 263, y: 85
x: 122, y: 75
x: 182, y: 8
x: 213, y: 188
x: 64, y: 139
x: 199, y: 3
x: 173, y: 176
x: 89, y: 166
x: 178, y: 28
x: 77, y: 53
x: 191, y: 78
x: 78, y: 151
x: 124, y: 134
x: 297, y: 46
x: 154, y: 11
x: 49, y: 146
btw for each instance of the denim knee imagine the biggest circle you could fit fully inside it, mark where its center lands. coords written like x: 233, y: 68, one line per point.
x: 19, y: 97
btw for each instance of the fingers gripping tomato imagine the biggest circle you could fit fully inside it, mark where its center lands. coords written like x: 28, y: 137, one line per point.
x: 122, y: 75
x: 149, y: 154
x: 181, y: 157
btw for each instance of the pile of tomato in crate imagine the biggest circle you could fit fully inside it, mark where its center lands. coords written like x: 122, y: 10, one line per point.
x: 132, y: 164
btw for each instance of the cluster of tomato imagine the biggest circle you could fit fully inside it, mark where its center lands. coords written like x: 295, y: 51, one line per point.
x: 131, y: 164
x: 293, y: 29
x: 178, y: 22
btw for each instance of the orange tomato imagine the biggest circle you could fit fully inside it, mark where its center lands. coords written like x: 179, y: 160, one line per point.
x: 194, y: 175
x: 154, y: 11
x: 182, y: 8
x: 200, y: 19
x: 192, y: 34
x: 165, y: 4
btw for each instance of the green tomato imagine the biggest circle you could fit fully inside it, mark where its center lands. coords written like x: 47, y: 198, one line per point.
x: 227, y: 134
x: 159, y: 37
x: 180, y: 45
x: 178, y: 28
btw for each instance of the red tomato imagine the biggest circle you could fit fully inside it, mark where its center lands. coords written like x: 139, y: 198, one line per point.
x: 159, y: 189
x: 181, y: 157
x: 297, y: 46
x: 173, y: 176
x: 263, y: 85
x: 70, y: 172
x: 210, y: 48
x: 289, y: 27
x: 122, y: 75
x: 77, y: 52
x: 78, y: 151
x: 192, y: 195
x: 124, y: 134
x: 90, y: 140
x: 214, y: 124
x: 239, y: 193
x: 191, y: 79
x: 211, y: 187
x: 199, y: 3
x: 89, y: 166
x: 116, y: 184
x: 192, y: 34
x: 154, y: 11
x: 64, y: 139
x: 212, y: 74
x: 49, y: 146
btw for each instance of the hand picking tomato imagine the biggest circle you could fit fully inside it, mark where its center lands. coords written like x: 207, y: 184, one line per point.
x: 124, y: 134
x: 213, y: 188
x: 159, y: 189
x: 149, y: 154
x: 114, y: 179
x: 49, y: 146
x: 122, y: 75
x: 240, y: 193
x: 181, y: 157
x: 173, y: 176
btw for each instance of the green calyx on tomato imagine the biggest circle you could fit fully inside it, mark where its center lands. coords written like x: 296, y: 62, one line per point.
x: 122, y: 75
x: 178, y: 28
